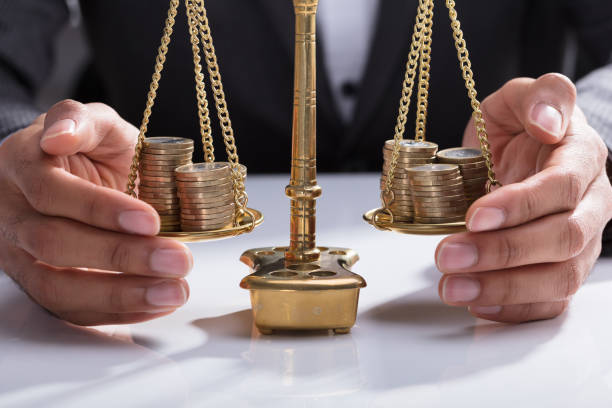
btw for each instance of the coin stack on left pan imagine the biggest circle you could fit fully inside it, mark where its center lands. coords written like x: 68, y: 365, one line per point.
x: 159, y: 158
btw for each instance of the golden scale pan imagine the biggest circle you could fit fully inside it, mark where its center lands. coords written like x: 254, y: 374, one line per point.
x: 304, y: 286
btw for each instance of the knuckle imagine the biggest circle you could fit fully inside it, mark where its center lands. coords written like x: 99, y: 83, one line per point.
x: 41, y: 241
x: 509, y: 251
x: 120, y: 256
x: 117, y: 299
x: 571, y: 279
x: 65, y: 106
x: 531, y: 203
x: 576, y: 236
x: 573, y: 188
x: 560, y: 83
x: 38, y: 194
x: 511, y: 291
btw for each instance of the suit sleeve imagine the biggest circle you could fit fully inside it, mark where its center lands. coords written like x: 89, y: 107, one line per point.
x: 595, y: 99
x: 27, y: 31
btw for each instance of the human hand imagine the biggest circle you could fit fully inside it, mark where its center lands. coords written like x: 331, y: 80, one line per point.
x: 69, y: 236
x: 531, y: 243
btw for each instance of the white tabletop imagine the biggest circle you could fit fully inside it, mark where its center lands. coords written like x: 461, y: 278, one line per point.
x: 407, y: 349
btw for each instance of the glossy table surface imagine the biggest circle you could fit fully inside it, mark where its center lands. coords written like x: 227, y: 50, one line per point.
x: 407, y: 349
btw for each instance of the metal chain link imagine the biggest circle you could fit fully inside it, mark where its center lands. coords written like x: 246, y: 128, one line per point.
x: 159, y: 67
x: 470, y: 84
x: 408, y: 85
x: 203, y: 112
x: 424, y: 67
x: 240, y: 195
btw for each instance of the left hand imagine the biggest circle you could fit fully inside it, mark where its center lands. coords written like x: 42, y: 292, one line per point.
x: 531, y: 243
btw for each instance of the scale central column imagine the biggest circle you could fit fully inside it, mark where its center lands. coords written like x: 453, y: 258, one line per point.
x: 303, y: 189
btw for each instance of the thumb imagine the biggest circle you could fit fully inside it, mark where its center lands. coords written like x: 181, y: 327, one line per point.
x: 72, y: 127
x: 541, y: 107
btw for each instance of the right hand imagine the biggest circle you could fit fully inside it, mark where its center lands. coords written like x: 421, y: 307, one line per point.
x: 69, y: 236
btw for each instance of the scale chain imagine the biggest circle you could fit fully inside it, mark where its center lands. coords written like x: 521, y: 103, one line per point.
x: 203, y: 112
x: 470, y: 84
x: 240, y: 196
x: 159, y: 67
x: 408, y: 85
x: 424, y: 67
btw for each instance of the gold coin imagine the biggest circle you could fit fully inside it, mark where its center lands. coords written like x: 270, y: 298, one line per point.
x: 162, y: 200
x: 205, y: 223
x: 204, y: 184
x: 444, y: 212
x: 472, y: 172
x: 168, y: 142
x: 152, y: 167
x: 152, y: 173
x: 411, y: 145
x: 153, y: 179
x: 476, y: 181
x: 176, y: 212
x: 444, y: 177
x: 198, y: 170
x: 437, y: 188
x: 442, y: 204
x: 204, y: 193
x: 187, y: 228
x: 154, y: 155
x: 460, y: 155
x: 435, y: 169
x: 157, y: 190
x: 192, y: 201
x: 456, y: 197
x: 432, y: 183
x: 443, y: 220
x: 212, y: 210
x: 147, y: 195
x: 162, y: 151
x: 163, y: 160
x: 154, y: 184
x: 402, y: 159
x: 194, y: 207
x: 207, y: 217
x: 165, y: 207
x: 475, y: 165
x: 407, y: 155
x: 444, y: 193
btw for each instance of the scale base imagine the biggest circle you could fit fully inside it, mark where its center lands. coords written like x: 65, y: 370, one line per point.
x: 321, y: 295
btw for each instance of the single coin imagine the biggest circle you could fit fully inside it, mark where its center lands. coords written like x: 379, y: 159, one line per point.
x: 437, y: 188
x: 151, y: 167
x: 416, y: 155
x: 152, y: 173
x: 426, y: 183
x: 196, y: 170
x: 156, y: 190
x: 204, y: 196
x: 404, y: 163
x: 176, y: 212
x: 163, y: 160
x: 194, y: 207
x: 216, y: 182
x: 475, y: 165
x: 456, y: 197
x: 165, y: 207
x: 423, y: 220
x: 436, y: 178
x: 152, y: 179
x: 163, y: 150
x: 186, y: 188
x: 443, y: 193
x: 435, y: 169
x: 440, y: 204
x: 166, y: 201
x: 168, y: 142
x: 411, y: 145
x: 187, y: 228
x: 189, y: 201
x: 146, y: 195
x: 154, y: 184
x: 460, y: 155
x: 207, y: 223
x: 207, y: 217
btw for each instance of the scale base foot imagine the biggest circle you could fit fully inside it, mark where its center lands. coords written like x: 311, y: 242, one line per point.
x: 321, y: 295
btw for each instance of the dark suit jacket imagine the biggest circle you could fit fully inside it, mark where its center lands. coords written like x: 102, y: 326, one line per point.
x: 254, y: 38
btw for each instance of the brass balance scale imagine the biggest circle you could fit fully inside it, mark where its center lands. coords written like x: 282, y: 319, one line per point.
x: 301, y: 286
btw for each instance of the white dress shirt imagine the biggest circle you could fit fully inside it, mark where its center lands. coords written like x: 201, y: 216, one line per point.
x: 347, y: 28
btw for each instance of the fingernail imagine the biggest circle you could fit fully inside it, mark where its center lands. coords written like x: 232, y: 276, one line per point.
x: 454, y: 256
x: 548, y: 118
x: 486, y: 219
x: 171, y: 262
x: 61, y: 127
x: 139, y: 222
x: 460, y: 289
x: 166, y: 294
x: 485, y: 310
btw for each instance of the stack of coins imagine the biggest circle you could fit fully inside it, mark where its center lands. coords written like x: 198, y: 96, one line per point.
x: 411, y: 153
x: 206, y: 195
x: 437, y: 193
x: 158, y: 159
x: 473, y: 168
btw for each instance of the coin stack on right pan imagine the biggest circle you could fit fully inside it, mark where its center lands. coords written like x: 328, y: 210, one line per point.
x: 411, y: 153
x: 159, y: 157
x: 205, y: 191
x: 473, y: 169
x: 437, y: 193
